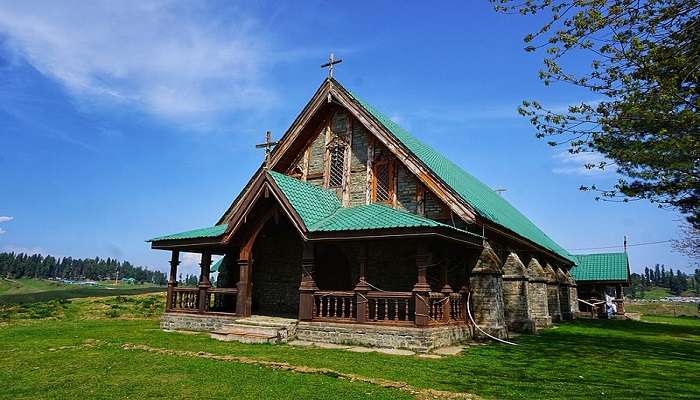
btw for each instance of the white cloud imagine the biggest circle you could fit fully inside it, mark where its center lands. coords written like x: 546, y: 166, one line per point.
x: 4, y: 219
x: 174, y: 60
x: 25, y: 250
x: 575, y: 164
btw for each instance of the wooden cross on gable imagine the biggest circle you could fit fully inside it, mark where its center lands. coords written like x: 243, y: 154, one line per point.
x: 268, y: 145
x: 330, y: 64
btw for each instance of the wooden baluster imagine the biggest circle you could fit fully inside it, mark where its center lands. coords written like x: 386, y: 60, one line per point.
x: 386, y: 309
x: 342, y: 306
x: 396, y: 310
x: 376, y: 309
x: 405, y: 310
x: 327, y: 306
x: 352, y: 301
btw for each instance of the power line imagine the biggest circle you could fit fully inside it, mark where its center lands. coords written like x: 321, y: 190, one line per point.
x: 619, y: 246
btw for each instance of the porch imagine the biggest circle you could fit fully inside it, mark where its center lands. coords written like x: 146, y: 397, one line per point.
x: 361, y: 303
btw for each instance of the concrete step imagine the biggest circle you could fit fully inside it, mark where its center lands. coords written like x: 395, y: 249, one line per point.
x: 244, y: 337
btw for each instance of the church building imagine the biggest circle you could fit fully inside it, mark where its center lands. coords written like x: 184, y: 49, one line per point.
x: 355, y: 231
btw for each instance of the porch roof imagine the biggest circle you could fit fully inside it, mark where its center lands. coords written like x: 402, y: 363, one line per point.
x: 604, y: 267
x: 208, y: 232
x: 321, y: 212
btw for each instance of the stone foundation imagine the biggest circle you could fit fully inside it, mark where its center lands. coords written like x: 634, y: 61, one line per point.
x: 410, y: 338
x: 194, y: 322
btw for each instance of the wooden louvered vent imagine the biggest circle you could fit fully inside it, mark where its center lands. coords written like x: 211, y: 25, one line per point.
x: 383, y: 178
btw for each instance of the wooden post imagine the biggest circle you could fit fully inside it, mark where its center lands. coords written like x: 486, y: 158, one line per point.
x: 204, y: 283
x: 308, y: 285
x: 619, y: 300
x: 172, y: 279
x: 244, y: 299
x: 421, y: 289
x: 362, y: 287
x: 446, y: 290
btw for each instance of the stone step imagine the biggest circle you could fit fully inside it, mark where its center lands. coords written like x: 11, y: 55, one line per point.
x: 244, y: 337
x: 237, y: 327
x: 268, y: 322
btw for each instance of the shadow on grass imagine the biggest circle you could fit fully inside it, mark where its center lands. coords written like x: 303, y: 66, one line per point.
x: 73, y: 294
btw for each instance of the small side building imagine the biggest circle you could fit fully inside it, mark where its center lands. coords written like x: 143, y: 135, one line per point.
x: 600, y: 274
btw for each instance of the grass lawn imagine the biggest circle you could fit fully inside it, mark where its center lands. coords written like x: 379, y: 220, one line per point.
x: 664, y: 309
x: 22, y: 291
x: 656, y: 293
x: 77, y: 350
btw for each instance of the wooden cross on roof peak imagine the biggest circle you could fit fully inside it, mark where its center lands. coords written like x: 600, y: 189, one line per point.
x: 330, y: 64
x: 268, y: 145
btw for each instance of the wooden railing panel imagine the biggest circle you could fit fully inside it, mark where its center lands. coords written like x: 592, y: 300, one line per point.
x: 338, y: 306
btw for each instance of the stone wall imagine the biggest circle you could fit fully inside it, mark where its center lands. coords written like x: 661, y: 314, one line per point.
x: 553, y: 302
x: 434, y: 208
x: 564, y: 296
x: 537, y: 294
x: 172, y: 321
x: 416, y: 339
x: 486, y: 287
x: 276, y: 270
x: 358, y: 165
x: 317, y: 154
x: 406, y: 190
x: 515, y: 296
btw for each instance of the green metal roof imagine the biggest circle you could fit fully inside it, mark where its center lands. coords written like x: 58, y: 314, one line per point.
x: 372, y: 216
x: 322, y: 212
x: 212, y: 231
x: 311, y: 202
x: 601, y: 267
x: 482, y: 198
x: 215, y: 267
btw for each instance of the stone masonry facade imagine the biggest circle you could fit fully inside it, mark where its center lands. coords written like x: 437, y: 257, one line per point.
x: 486, y: 285
x: 537, y: 292
x: 415, y: 339
x: 172, y: 321
x: 516, y: 296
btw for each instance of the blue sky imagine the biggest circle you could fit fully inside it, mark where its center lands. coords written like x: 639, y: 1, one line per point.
x: 120, y: 121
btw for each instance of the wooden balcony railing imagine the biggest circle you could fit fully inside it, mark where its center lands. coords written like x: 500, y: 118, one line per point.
x: 335, y: 306
x: 388, y: 308
x: 221, y: 300
x: 182, y: 299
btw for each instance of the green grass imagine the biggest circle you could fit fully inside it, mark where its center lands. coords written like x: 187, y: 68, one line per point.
x: 656, y: 293
x: 655, y: 359
x: 663, y: 309
x: 23, y: 291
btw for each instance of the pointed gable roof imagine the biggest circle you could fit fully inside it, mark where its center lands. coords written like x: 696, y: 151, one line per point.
x: 487, y: 203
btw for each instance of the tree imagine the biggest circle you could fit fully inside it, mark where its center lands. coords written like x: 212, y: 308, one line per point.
x: 657, y: 275
x: 644, y: 58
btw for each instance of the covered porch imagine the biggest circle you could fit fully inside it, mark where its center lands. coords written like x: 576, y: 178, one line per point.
x: 290, y: 249
x: 346, y: 282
